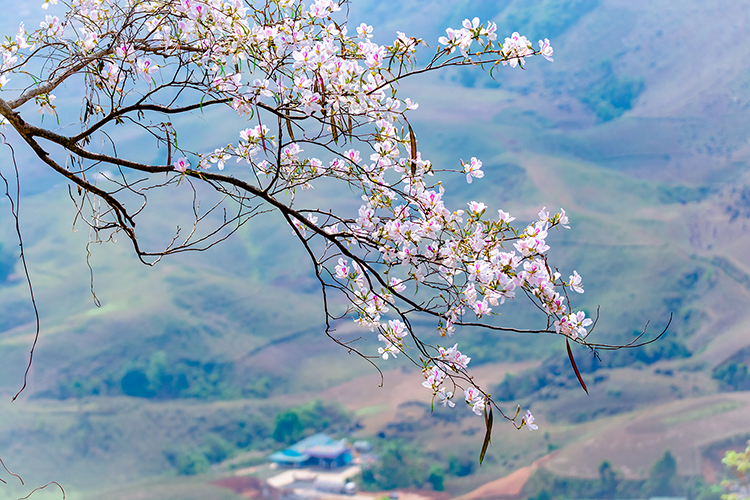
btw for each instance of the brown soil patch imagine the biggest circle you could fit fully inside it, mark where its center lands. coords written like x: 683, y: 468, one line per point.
x: 398, y: 387
x: 410, y: 494
x: 634, y: 441
x: 508, y: 487
x: 249, y: 487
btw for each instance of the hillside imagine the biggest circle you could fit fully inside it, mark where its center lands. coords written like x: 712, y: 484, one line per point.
x: 639, y: 130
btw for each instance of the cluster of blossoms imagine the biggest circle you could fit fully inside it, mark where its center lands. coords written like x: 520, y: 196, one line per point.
x: 392, y: 336
x: 573, y: 325
x: 469, y: 256
x: 514, y: 50
x: 8, y: 57
x: 475, y: 399
x: 290, y: 66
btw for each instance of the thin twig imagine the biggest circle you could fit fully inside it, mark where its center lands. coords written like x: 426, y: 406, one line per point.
x: 15, y: 209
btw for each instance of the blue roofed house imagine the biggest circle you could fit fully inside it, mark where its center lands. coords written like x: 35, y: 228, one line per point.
x: 319, y: 449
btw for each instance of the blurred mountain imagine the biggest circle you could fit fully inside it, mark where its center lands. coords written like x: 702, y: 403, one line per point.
x: 638, y: 129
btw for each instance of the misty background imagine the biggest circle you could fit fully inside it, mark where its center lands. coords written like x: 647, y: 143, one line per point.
x: 191, y: 369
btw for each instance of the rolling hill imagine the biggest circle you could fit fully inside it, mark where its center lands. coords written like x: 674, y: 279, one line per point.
x: 639, y: 130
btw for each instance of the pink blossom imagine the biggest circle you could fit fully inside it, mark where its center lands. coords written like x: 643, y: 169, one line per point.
x: 515, y: 49
x: 21, y: 37
x: 125, y: 52
x: 473, y: 169
x: 574, y: 325
x: 300, y: 227
x: 475, y: 399
x: 45, y: 104
x: 470, y: 294
x: 397, y: 285
x: 543, y: 215
x: 504, y: 217
x: 111, y: 74
x: 477, y: 208
x: 52, y: 25
x: 353, y: 156
x: 453, y: 358
x: 88, y: 40
x: 229, y: 83
x: 146, y: 67
x: 364, y: 31
x: 434, y: 377
x: 546, y: 49
x: 397, y: 328
x: 219, y: 157
x: 575, y: 282
x: 323, y: 8
x: 444, y: 397
x: 490, y: 32
x: 181, y: 165
x: 342, y: 269
x: 482, y: 308
x: 529, y: 420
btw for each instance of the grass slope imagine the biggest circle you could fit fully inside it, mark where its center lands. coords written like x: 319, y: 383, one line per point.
x: 657, y: 193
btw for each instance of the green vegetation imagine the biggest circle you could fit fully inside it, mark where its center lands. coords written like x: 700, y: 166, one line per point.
x: 741, y: 204
x: 245, y: 433
x: 158, y: 377
x: 556, y: 372
x: 189, y: 461
x: 399, y: 465
x: 738, y: 464
x: 703, y: 412
x: 733, y: 376
x: 436, y: 477
x: 733, y: 373
x: 682, y: 194
x: 608, y: 95
x: 545, y: 485
x: 210, y: 319
x: 288, y: 428
x: 546, y: 18
x: 262, y: 431
x: 221, y: 442
x: 461, y: 466
x: 318, y: 416
x: 662, y: 477
x: 662, y: 481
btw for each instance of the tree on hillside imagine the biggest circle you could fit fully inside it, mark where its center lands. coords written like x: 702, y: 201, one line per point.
x: 662, y: 476
x: 320, y: 109
x: 398, y: 466
x: 608, y: 479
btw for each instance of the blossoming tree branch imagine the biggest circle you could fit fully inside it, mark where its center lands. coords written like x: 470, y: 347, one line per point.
x: 322, y: 106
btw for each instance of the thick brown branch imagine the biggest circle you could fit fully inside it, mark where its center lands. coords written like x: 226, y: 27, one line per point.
x: 51, y: 85
x: 28, y: 132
